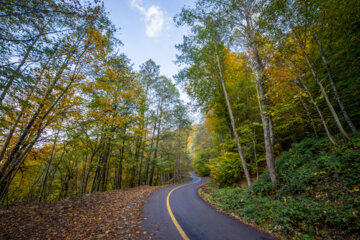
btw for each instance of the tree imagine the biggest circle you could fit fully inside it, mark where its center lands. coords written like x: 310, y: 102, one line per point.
x: 207, y: 42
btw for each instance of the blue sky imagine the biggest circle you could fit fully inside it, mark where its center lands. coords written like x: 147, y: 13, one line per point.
x: 148, y: 31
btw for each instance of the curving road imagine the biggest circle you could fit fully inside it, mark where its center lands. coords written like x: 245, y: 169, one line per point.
x: 177, y: 212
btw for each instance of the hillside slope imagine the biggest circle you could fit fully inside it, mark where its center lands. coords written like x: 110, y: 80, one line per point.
x: 318, y: 197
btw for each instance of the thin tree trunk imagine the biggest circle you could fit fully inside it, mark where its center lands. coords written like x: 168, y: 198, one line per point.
x: 122, y: 151
x: 332, y: 140
x: 17, y: 153
x: 53, y: 174
x: 51, y: 180
x: 140, y: 167
x: 83, y: 172
x: 85, y: 183
x: 309, y: 115
x: 106, y: 167
x: 42, y: 186
x: 327, y: 100
x: 264, y: 102
x: 31, y: 122
x: 255, y: 154
x: 149, y: 157
x: 7, y: 177
x: 22, y: 111
x: 96, y: 173
x: 157, y: 145
x: 136, y: 161
x: 17, y: 70
x: 242, y: 158
x: 271, y: 130
x: 333, y: 85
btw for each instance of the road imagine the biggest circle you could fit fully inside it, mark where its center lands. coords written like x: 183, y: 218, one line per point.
x: 192, y: 218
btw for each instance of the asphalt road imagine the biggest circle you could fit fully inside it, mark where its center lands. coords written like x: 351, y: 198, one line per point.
x: 192, y: 215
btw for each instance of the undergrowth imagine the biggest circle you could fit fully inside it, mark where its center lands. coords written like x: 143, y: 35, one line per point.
x: 317, y: 195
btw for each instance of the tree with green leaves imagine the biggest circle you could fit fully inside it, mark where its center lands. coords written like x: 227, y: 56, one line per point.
x: 239, y: 17
x: 205, y: 50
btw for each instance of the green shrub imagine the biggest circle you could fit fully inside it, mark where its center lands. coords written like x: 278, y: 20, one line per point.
x: 200, y: 163
x: 318, y: 195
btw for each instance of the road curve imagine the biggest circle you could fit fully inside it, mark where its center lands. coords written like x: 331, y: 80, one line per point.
x: 194, y: 217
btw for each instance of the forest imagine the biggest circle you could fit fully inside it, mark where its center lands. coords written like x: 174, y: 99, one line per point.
x: 277, y: 83
x: 75, y: 117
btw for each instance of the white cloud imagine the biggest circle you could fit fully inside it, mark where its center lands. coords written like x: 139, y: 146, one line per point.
x: 154, y: 21
x: 137, y: 4
x: 154, y: 17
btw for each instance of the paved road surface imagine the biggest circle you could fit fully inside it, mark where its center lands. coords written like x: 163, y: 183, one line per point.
x: 194, y: 217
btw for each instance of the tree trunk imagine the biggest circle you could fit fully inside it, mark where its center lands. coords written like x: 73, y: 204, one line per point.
x: 255, y: 154
x: 268, y: 134
x: 333, y: 85
x: 17, y: 70
x: 308, y: 114
x: 157, y: 145
x: 242, y: 158
x: 122, y: 154
x: 87, y: 173
x: 10, y: 159
x: 97, y: 169
x: 106, y: 166
x: 332, y: 140
x: 19, y: 116
x: 48, y: 164
x: 140, y: 167
x: 264, y: 102
x: 149, y: 156
x: 327, y: 100
x: 136, y: 161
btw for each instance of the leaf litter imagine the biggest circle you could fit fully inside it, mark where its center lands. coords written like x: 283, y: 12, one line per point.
x: 105, y: 215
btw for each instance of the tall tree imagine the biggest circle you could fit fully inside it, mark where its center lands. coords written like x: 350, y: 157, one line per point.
x: 207, y: 42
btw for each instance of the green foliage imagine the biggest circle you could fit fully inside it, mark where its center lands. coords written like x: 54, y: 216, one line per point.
x: 318, y: 195
x: 200, y: 163
x: 299, y: 47
x: 226, y: 168
x: 199, y: 146
x: 75, y: 117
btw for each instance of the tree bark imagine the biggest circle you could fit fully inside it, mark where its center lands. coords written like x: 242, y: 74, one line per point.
x: 333, y: 85
x: 35, y: 116
x: 315, y: 76
x: 149, y: 156
x: 157, y: 145
x: 17, y: 70
x: 48, y: 164
x: 97, y: 169
x: 332, y: 140
x: 308, y: 114
x: 140, y: 166
x: 136, y: 161
x: 242, y: 158
x: 253, y: 139
x: 264, y: 102
x: 122, y: 154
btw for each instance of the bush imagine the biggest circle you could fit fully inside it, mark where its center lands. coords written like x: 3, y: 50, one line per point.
x: 318, y: 194
x: 200, y: 163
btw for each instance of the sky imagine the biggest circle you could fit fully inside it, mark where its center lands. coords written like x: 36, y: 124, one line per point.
x: 147, y: 30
